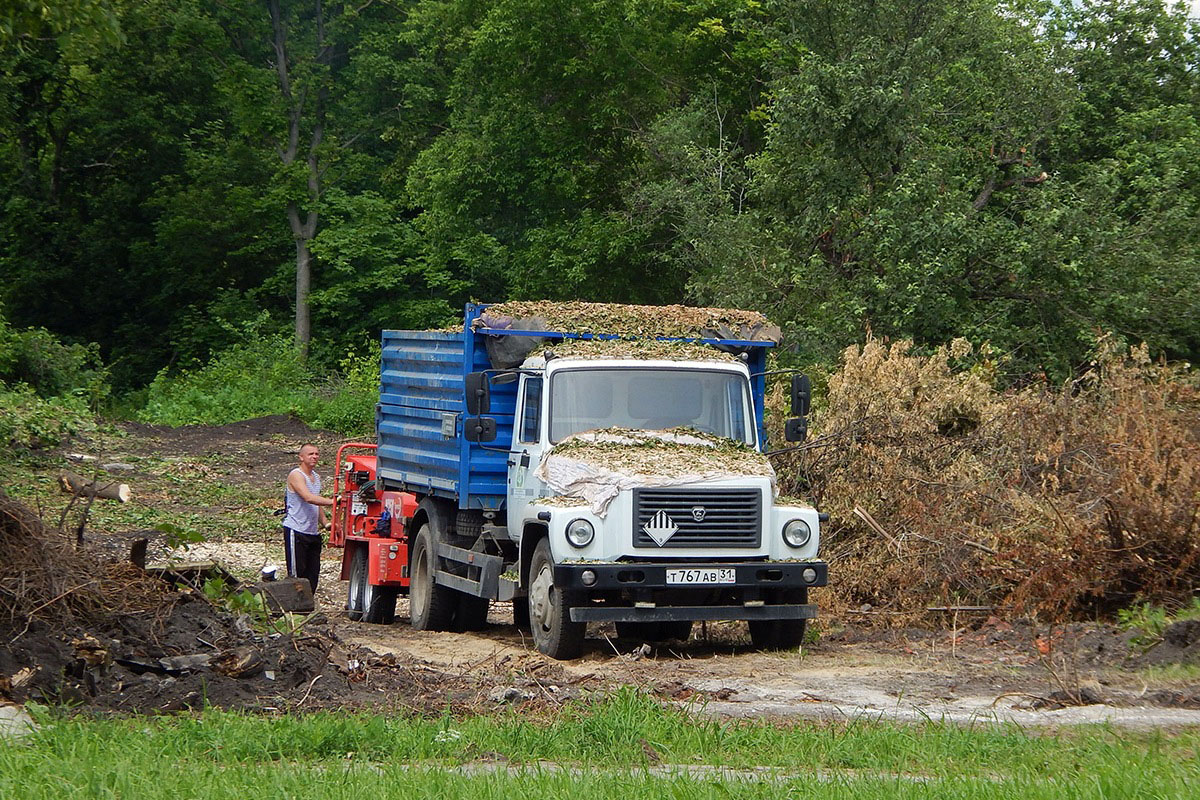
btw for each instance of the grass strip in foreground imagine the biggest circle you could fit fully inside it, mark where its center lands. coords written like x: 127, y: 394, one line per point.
x: 626, y: 746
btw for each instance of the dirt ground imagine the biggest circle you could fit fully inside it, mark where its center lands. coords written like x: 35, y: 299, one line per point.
x: 228, y: 479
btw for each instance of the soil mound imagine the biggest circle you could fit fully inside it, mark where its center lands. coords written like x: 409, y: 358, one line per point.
x: 80, y: 629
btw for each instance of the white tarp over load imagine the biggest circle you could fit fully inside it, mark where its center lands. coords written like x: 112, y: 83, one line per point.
x: 595, y: 466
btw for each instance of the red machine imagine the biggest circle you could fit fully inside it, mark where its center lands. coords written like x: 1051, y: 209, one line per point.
x: 372, y: 528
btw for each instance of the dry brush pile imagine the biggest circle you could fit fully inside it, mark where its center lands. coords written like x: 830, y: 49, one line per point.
x: 1062, y: 502
x: 44, y: 576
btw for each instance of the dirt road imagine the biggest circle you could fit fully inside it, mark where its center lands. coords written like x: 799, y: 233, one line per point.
x: 227, y: 480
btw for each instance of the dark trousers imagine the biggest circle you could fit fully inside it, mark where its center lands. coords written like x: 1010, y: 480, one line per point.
x: 303, y: 551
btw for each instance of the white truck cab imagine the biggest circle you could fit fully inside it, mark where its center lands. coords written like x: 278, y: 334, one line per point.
x: 705, y: 530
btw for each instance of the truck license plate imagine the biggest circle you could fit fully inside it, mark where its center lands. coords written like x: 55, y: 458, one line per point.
x: 677, y: 577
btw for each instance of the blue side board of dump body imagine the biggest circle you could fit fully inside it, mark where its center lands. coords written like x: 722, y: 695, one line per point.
x: 422, y: 404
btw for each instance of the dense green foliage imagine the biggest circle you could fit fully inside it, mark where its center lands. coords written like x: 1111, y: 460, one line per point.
x: 264, y: 374
x: 47, y: 389
x: 1021, y: 172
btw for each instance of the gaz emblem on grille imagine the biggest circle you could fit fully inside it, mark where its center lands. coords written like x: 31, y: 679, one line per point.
x: 660, y: 528
x: 699, y: 513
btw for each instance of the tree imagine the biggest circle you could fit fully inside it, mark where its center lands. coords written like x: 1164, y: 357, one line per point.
x: 290, y: 89
x: 902, y: 146
x: 522, y: 194
x: 74, y: 25
x: 88, y: 138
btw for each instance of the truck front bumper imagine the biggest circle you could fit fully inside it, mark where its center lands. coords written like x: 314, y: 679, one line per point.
x: 756, y: 582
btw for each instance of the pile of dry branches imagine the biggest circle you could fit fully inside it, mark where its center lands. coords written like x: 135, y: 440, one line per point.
x: 1060, y: 502
x: 44, y: 576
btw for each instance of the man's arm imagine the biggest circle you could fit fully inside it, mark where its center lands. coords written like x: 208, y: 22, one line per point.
x: 296, y: 484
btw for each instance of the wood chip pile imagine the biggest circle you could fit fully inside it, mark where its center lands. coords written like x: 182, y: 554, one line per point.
x: 632, y: 320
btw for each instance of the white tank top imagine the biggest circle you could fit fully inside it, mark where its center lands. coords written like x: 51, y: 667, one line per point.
x: 302, y: 516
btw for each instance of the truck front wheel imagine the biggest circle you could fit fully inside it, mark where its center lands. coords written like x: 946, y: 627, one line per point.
x: 550, y: 609
x: 431, y: 605
x: 781, y: 634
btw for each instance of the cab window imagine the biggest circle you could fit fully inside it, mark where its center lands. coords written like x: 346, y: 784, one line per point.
x: 531, y: 410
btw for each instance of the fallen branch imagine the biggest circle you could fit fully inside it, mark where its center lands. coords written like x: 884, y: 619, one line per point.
x: 866, y: 517
x: 956, y: 609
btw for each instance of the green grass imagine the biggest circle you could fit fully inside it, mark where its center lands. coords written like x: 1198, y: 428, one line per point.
x: 1171, y: 674
x: 168, y: 493
x: 593, y: 750
x: 263, y: 375
x: 1153, y: 621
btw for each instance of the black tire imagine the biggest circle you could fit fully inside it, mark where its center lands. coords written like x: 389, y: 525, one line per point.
x: 655, y: 631
x: 781, y: 634
x: 358, y: 578
x: 680, y: 631
x: 472, y: 613
x: 379, y: 605
x: 638, y: 631
x: 373, y: 604
x: 520, y: 608
x: 550, y: 609
x: 431, y: 605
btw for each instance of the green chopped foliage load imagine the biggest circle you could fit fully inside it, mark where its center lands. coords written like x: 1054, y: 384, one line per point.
x: 634, y: 320
x: 562, y: 501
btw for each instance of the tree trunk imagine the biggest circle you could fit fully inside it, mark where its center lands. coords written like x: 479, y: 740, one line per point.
x: 303, y: 279
x: 303, y: 229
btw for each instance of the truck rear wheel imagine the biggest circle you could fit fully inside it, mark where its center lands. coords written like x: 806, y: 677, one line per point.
x: 431, y: 605
x: 550, y: 609
x: 781, y: 634
x: 472, y: 613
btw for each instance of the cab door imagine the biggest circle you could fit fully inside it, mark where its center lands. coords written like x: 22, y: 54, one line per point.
x: 527, y: 450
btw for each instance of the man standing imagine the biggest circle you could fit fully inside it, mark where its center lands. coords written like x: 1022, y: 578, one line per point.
x: 305, y: 518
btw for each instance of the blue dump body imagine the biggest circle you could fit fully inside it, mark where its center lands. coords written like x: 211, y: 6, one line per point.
x: 422, y: 404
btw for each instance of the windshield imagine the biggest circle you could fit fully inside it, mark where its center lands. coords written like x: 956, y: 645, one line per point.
x: 712, y: 401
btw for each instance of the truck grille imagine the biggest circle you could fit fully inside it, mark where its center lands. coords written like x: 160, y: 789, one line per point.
x: 730, y: 517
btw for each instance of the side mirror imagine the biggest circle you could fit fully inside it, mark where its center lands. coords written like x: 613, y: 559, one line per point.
x: 479, y: 429
x: 479, y: 393
x: 796, y: 429
x: 801, y: 395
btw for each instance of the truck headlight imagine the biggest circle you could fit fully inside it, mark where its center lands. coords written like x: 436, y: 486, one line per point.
x: 796, y: 533
x: 580, y: 532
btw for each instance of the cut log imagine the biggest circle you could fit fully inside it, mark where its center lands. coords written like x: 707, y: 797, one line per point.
x: 194, y: 574
x: 77, y: 484
x: 287, y: 594
x: 137, y: 553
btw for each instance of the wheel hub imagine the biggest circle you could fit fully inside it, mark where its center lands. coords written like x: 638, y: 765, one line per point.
x: 418, y: 586
x: 540, y: 600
